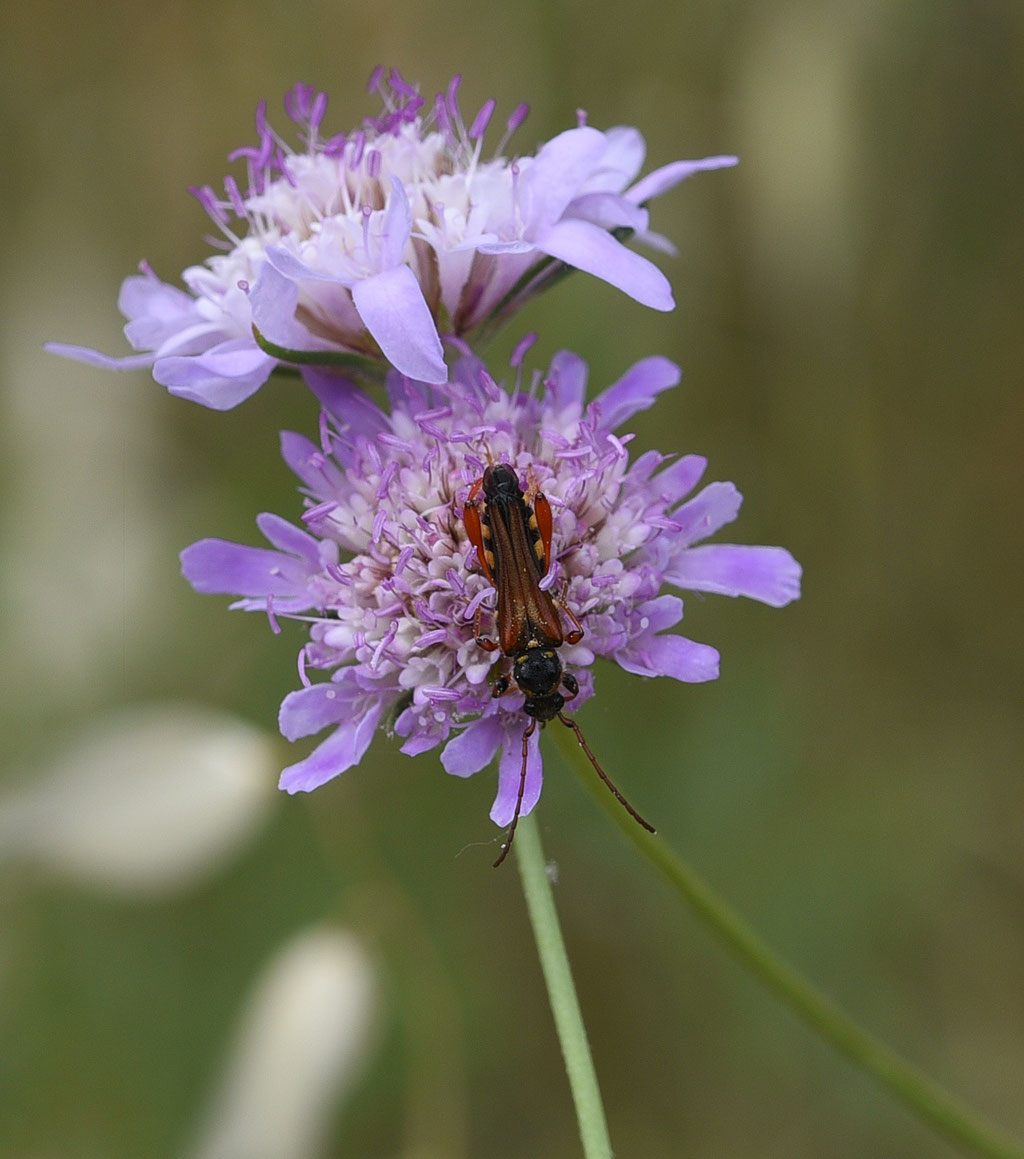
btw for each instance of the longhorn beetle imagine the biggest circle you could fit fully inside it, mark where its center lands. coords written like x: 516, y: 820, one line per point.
x: 513, y: 546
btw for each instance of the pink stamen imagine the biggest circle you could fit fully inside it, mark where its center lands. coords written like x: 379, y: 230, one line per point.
x: 275, y: 627
x: 441, y: 694
x: 386, y: 480
x: 452, y: 98
x: 444, y: 122
x: 519, y: 114
x: 319, y: 109
x: 521, y: 347
x: 235, y: 197
x: 479, y: 126
x: 358, y: 145
x: 385, y: 643
x: 206, y: 197
x: 401, y: 85
x: 404, y: 556
x: 437, y: 636
x: 320, y: 511
x: 475, y: 602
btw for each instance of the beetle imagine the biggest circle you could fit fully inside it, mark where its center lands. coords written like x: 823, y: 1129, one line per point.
x: 511, y: 531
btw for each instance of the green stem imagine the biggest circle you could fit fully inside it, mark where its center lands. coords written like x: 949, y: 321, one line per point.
x: 937, y: 1107
x: 579, y: 1066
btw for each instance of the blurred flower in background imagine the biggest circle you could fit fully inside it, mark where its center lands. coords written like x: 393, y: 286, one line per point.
x: 304, y: 1034
x: 148, y: 800
x: 369, y: 243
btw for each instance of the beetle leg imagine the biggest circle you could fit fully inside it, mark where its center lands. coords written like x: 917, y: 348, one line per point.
x: 576, y: 634
x: 570, y: 685
x: 527, y: 733
x: 484, y: 642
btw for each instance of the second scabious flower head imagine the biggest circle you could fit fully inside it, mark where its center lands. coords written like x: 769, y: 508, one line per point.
x: 376, y: 243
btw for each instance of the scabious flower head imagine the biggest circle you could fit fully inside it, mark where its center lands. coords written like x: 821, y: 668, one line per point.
x: 385, y: 576
x: 375, y: 242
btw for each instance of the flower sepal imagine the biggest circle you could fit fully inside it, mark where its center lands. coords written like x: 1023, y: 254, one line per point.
x: 362, y: 366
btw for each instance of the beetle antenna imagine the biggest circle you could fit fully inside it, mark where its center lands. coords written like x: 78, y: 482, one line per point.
x: 570, y: 723
x: 528, y: 732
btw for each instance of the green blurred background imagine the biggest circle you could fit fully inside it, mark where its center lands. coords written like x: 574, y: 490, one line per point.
x: 852, y: 782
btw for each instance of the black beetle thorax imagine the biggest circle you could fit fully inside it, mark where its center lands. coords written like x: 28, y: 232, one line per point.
x: 537, y: 671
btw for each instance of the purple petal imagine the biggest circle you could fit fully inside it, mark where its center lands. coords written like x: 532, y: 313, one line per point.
x: 671, y: 655
x: 304, y: 457
x: 768, y: 574
x: 679, y: 478
x: 273, y: 301
x: 287, y: 537
x: 656, y: 183
x: 95, y: 358
x: 473, y: 749
x: 221, y: 378
x: 566, y: 381
x: 421, y: 742
x: 636, y: 390
x: 510, y: 773
x: 624, y: 153
x: 397, y: 226
x: 658, y: 242
x: 516, y: 246
x: 295, y: 270
x: 393, y: 309
x: 145, y: 295
x: 591, y: 249
x: 155, y: 310
x: 713, y: 507
x: 349, y: 404
x: 642, y: 468
x: 661, y: 613
x: 558, y: 172
x: 310, y: 710
x: 217, y: 567
x: 609, y: 211
x: 340, y: 751
x: 320, y: 474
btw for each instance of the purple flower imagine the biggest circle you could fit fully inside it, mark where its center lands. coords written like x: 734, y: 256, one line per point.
x: 387, y: 579
x: 372, y: 243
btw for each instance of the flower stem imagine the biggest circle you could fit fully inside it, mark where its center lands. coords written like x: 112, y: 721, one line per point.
x: 579, y: 1065
x: 936, y: 1106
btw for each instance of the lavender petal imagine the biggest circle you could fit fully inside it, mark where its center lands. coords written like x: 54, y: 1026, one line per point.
x: 217, y: 567
x: 344, y: 748
x: 661, y: 180
x: 674, y: 656
x: 219, y: 379
x: 95, y: 358
x: 637, y: 390
x: 473, y: 749
x: 393, y: 309
x: 509, y: 776
x: 768, y: 574
x: 587, y: 247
